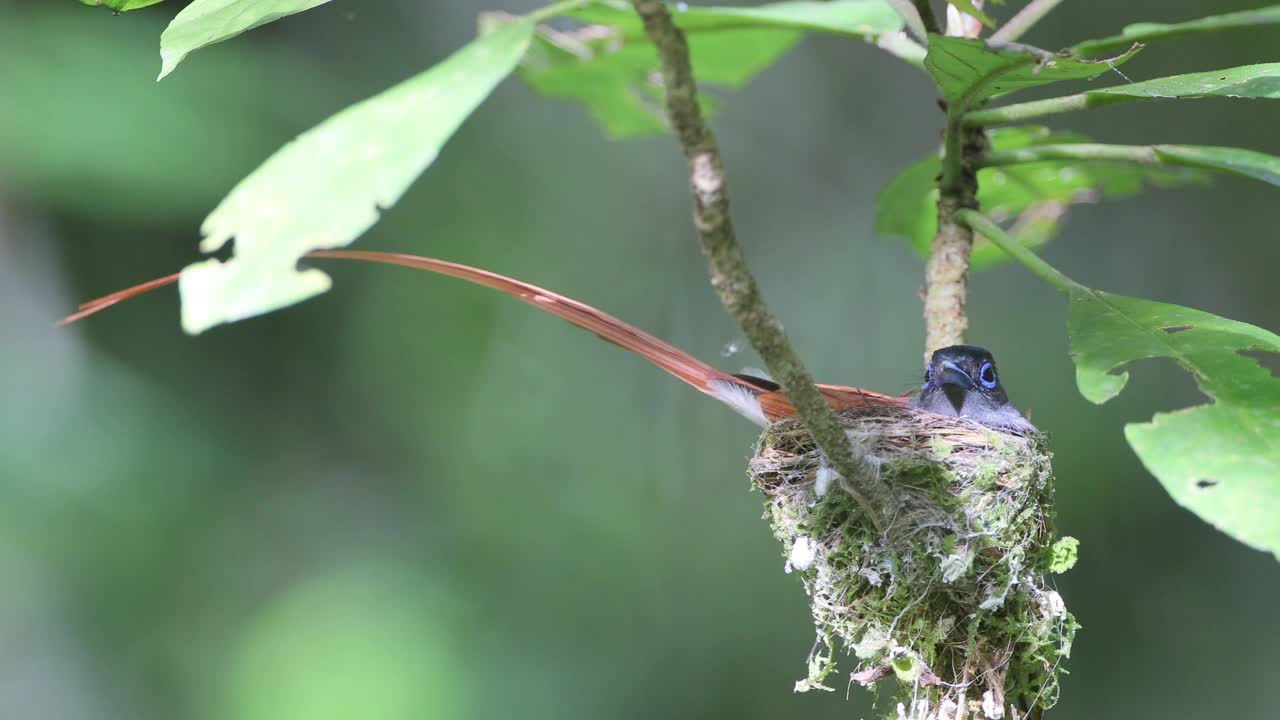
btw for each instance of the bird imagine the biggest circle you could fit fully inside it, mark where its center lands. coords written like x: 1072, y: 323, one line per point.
x: 949, y: 388
x: 962, y: 381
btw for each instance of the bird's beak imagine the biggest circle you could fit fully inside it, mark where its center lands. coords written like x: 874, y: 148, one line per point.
x: 953, y: 375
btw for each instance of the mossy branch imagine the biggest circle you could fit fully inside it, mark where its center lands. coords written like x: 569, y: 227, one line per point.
x: 730, y: 275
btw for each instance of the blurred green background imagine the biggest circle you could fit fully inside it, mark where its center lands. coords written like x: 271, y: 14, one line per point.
x: 414, y: 498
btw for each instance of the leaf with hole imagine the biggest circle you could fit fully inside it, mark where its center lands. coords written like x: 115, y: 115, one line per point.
x: 1033, y: 198
x: 1146, y: 32
x: 205, y: 22
x: 328, y: 186
x: 1220, y: 460
x: 611, y: 67
x: 969, y: 72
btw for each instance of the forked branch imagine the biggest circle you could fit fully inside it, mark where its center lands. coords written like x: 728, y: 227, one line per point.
x: 730, y: 275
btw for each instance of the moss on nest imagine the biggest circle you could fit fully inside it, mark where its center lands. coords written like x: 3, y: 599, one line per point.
x: 954, y: 600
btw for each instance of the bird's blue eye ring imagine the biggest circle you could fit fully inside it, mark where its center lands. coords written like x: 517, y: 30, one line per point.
x: 987, y: 376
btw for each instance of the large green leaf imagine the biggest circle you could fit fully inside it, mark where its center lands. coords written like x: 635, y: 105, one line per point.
x: 205, y: 22
x: 121, y: 5
x: 610, y: 66
x: 1220, y: 460
x: 1246, y: 81
x: 327, y: 187
x: 968, y: 72
x: 1034, y: 197
x: 1146, y: 32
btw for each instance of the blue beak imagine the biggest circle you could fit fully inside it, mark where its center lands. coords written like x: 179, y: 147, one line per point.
x: 953, y: 375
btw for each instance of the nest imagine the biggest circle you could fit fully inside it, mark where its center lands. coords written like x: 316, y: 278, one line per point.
x: 954, y: 599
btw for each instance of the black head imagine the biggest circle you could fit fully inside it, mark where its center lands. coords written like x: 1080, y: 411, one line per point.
x: 962, y: 381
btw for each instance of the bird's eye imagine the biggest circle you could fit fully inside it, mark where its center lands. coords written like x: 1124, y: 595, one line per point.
x: 988, y: 376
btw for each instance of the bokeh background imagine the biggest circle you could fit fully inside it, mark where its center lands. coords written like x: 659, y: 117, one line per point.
x: 414, y: 498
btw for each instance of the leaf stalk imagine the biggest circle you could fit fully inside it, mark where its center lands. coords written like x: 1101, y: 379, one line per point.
x: 1006, y: 242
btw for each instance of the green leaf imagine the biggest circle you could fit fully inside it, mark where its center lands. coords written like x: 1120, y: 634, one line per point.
x: 1247, y: 81
x: 1034, y: 197
x: 611, y: 67
x: 1247, y: 163
x: 1146, y: 32
x: 205, y: 22
x: 968, y: 72
x: 121, y: 5
x: 1220, y: 460
x: 327, y: 187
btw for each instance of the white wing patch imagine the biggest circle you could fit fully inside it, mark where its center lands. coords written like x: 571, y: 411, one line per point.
x: 740, y: 398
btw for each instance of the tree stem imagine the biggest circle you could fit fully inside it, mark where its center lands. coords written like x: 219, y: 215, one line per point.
x: 731, y: 277
x: 947, y: 271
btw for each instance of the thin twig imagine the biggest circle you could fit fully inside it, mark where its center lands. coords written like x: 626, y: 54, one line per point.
x: 1138, y: 154
x: 1017, y: 250
x: 730, y: 275
x: 900, y: 44
x: 1019, y: 24
x: 911, y: 19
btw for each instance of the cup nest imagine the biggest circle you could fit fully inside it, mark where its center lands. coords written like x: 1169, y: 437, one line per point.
x: 954, y: 599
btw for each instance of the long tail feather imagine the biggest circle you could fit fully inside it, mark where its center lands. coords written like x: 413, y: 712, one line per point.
x: 669, y: 358
x: 759, y: 401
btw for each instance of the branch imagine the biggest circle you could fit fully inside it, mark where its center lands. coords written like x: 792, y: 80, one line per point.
x: 1034, y: 109
x: 911, y: 19
x: 1019, y: 24
x: 947, y: 272
x: 1017, y: 250
x: 730, y: 275
x: 1140, y: 154
x: 899, y: 44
